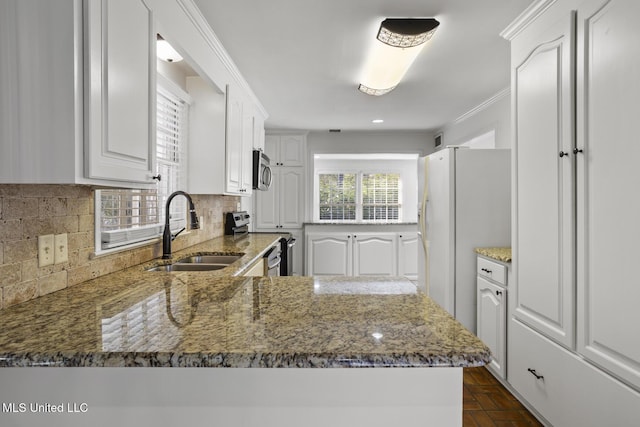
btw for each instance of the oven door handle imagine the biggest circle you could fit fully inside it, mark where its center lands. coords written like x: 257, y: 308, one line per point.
x: 275, y: 264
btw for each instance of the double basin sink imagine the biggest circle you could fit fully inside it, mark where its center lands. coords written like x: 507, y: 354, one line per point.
x: 198, y: 263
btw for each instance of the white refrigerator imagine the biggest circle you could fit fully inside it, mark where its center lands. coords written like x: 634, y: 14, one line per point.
x: 465, y: 202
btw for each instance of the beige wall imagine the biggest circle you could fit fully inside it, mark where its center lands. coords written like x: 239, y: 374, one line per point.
x: 29, y: 211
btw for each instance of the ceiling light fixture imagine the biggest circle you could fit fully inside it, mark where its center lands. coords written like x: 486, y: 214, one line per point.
x: 377, y: 121
x: 165, y: 51
x: 397, y: 45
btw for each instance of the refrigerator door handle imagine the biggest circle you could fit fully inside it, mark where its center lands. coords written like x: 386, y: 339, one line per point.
x: 423, y: 206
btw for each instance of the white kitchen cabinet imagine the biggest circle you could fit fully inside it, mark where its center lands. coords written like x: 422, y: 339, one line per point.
x: 285, y: 149
x: 492, y: 312
x: 375, y: 254
x: 258, y: 130
x: 238, y: 142
x: 78, y: 85
x: 408, y: 255
x: 220, y: 139
x: 563, y: 388
x: 329, y: 254
x: 281, y: 206
x: 120, y: 78
x: 352, y: 254
x: 578, y: 289
x: 607, y: 186
x: 544, y: 139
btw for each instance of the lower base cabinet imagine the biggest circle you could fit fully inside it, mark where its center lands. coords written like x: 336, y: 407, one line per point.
x: 563, y: 388
x: 362, y: 254
x: 492, y: 323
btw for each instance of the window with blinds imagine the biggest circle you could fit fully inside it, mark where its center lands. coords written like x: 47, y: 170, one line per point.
x: 337, y: 197
x: 129, y: 216
x: 380, y: 197
x: 171, y: 135
x: 352, y: 197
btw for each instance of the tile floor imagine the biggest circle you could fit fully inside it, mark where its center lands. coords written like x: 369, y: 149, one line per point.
x: 487, y: 403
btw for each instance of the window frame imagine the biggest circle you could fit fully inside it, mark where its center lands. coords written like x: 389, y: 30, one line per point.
x: 359, y: 173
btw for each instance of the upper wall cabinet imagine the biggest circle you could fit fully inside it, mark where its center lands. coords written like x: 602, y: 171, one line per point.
x: 78, y: 88
x: 285, y: 150
x: 220, y: 140
x: 120, y: 81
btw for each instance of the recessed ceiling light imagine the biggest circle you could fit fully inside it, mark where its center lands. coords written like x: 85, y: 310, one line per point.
x: 377, y: 121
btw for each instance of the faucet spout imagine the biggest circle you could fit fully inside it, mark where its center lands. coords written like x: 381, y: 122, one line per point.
x: 167, y: 237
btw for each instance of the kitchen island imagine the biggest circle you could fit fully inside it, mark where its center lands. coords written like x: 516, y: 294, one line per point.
x: 132, y: 325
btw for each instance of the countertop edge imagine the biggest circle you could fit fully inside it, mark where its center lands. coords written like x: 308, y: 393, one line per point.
x: 233, y: 360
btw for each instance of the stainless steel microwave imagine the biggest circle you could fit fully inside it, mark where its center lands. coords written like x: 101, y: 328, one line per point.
x: 261, y: 171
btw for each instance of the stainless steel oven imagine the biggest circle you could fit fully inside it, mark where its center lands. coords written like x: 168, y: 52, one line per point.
x: 272, y: 261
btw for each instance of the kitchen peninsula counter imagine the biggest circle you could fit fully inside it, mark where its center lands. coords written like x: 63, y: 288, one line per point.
x: 110, y: 344
x: 198, y: 319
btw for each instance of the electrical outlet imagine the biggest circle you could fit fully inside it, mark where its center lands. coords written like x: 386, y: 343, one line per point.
x: 61, y: 248
x: 45, y: 250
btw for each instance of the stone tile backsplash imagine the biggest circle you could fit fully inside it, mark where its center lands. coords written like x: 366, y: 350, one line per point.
x: 29, y: 211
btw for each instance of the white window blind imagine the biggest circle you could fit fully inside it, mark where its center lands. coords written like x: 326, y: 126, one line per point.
x: 171, y: 134
x: 380, y: 197
x: 351, y: 197
x: 337, y: 196
x: 128, y: 216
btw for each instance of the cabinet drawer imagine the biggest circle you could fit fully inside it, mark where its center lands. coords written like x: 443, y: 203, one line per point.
x: 492, y: 270
x: 572, y: 392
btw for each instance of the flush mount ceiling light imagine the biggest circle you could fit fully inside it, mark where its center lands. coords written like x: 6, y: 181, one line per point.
x: 398, y: 43
x: 165, y: 51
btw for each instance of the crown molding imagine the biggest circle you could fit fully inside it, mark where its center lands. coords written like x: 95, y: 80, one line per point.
x: 525, y: 18
x: 483, y: 106
x: 195, y: 16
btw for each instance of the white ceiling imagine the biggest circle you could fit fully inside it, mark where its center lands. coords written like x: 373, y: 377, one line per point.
x: 303, y: 59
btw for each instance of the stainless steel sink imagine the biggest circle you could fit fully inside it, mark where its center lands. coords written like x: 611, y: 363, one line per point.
x: 188, y: 267
x: 209, y: 259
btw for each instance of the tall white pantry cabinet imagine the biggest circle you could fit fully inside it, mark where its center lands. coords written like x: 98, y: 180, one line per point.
x: 574, y: 331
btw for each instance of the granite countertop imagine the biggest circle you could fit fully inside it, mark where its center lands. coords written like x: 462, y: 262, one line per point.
x: 499, y: 254
x: 215, y: 319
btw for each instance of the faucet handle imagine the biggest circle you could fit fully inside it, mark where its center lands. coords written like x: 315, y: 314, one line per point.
x: 176, y: 235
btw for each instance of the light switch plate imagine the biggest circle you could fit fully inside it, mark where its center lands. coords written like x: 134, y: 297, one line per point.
x: 61, y: 248
x: 45, y: 250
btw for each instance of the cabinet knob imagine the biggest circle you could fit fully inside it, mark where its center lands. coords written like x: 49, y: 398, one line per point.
x: 498, y: 293
x: 535, y: 374
x: 157, y: 177
x: 577, y: 150
x: 563, y: 154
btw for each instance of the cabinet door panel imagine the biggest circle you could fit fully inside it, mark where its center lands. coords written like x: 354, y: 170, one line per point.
x: 121, y: 96
x: 375, y: 254
x: 408, y: 255
x: 291, y: 149
x: 233, y: 142
x: 492, y: 318
x: 543, y: 83
x: 291, y: 191
x: 608, y: 209
x: 329, y: 255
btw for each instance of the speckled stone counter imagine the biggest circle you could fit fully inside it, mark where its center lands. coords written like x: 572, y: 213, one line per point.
x: 499, y: 254
x: 211, y: 319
